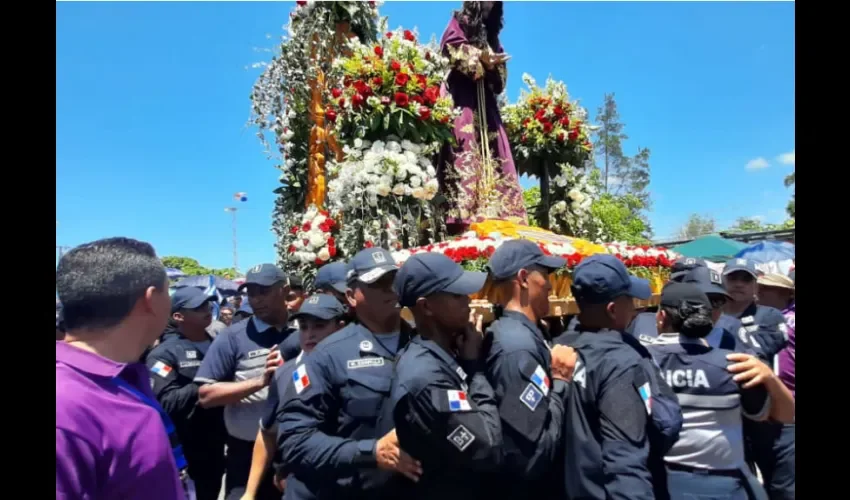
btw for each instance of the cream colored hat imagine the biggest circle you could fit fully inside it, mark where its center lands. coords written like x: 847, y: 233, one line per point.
x: 776, y: 280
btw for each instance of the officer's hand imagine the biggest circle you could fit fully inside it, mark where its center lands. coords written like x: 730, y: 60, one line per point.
x: 279, y: 482
x: 469, y: 344
x: 391, y: 457
x: 273, y: 361
x: 750, y: 370
x: 563, y: 362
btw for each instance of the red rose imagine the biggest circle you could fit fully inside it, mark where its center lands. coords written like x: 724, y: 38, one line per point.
x: 424, y: 113
x: 377, y: 81
x: 306, y: 242
x: 319, y: 262
x: 418, y: 99
x: 292, y: 249
x: 341, y: 102
x: 401, y: 79
x: 385, y: 100
x: 561, y: 136
x: 293, y: 230
x: 368, y: 244
x: 423, y: 82
x: 401, y: 99
x: 371, y: 3
x: 336, y: 93
x: 427, y: 56
x: 559, y: 111
x: 389, y: 35
x: 332, y: 251
x: 565, y: 121
x: 330, y: 115
x: 547, y: 127
x: 540, y: 114
x: 431, y: 95
x: 346, y: 81
x: 379, y: 51
x: 523, y: 139
x: 408, y: 35
x: 573, y: 134
x: 395, y: 66
x: 301, y: 3
x: 306, y: 227
x: 357, y: 100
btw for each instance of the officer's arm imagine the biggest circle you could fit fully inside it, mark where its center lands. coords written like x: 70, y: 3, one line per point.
x: 625, y: 446
x: 533, y: 415
x: 755, y: 403
x: 782, y: 405
x: 177, y: 401
x: 216, y: 374
x: 310, y: 407
x: 468, y: 434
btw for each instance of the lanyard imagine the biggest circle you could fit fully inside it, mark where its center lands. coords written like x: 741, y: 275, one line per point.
x: 176, y: 448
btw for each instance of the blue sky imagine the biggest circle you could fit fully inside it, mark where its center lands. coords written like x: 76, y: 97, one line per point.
x: 152, y: 105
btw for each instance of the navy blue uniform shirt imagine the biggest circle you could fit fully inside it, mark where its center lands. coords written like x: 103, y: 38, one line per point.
x: 329, y: 420
x: 446, y: 416
x: 530, y: 404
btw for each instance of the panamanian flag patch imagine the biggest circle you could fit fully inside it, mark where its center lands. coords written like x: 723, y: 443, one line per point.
x: 300, y: 379
x: 646, y: 395
x: 458, y: 401
x: 541, y: 380
x: 161, y: 369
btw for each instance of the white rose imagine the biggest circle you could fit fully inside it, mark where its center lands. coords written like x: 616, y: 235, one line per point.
x: 419, y: 193
x: 573, y: 194
x: 398, y: 189
x: 317, y: 239
x: 324, y: 254
x: 415, y: 181
x: 358, y: 143
x: 393, y: 147
x: 383, y: 189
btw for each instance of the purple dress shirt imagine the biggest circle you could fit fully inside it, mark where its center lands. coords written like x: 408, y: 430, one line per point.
x: 109, y: 445
x: 787, y: 356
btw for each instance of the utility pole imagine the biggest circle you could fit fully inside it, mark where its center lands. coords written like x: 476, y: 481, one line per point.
x: 232, y: 211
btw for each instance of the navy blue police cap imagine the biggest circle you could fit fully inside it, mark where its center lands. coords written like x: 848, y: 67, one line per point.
x: 742, y: 265
x: 601, y: 278
x: 513, y: 255
x: 707, y: 280
x: 321, y: 306
x: 331, y: 276
x: 676, y: 295
x: 683, y: 265
x: 425, y: 274
x: 189, y: 297
x: 264, y: 275
x: 369, y: 265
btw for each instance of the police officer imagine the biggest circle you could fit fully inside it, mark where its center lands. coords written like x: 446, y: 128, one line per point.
x: 726, y: 331
x: 606, y: 448
x: 772, y: 445
x: 330, y: 279
x: 519, y: 369
x: 238, y: 367
x: 444, y: 409
x: 173, y: 365
x: 318, y: 317
x: 708, y: 459
x: 329, y: 432
x: 294, y: 299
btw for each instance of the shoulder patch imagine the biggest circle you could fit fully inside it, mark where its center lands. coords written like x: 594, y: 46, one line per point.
x: 161, y: 369
x: 540, y: 379
x: 458, y: 401
x: 191, y: 354
x: 646, y: 395
x: 531, y: 397
x: 354, y: 364
x: 461, y: 438
x: 645, y: 339
x: 300, y: 379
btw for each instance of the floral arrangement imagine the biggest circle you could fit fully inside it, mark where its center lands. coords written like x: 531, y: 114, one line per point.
x: 572, y: 193
x: 313, y: 242
x: 545, y: 124
x: 391, y: 87
x: 382, y: 192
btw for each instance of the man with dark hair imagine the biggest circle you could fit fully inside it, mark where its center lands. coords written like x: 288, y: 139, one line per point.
x: 173, y: 365
x: 115, y: 301
x: 239, y: 366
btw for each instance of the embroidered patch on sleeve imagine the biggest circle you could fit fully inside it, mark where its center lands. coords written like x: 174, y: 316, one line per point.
x: 161, y: 369
x: 458, y: 401
x: 646, y: 396
x: 531, y: 397
x: 540, y: 379
x: 300, y: 379
x: 461, y: 438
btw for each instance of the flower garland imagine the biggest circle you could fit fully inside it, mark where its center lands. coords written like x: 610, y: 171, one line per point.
x: 545, y: 124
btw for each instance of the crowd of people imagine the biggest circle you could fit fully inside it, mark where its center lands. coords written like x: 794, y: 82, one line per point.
x: 328, y: 393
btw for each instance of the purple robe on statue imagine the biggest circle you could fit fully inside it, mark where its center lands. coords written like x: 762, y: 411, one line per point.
x: 462, y: 173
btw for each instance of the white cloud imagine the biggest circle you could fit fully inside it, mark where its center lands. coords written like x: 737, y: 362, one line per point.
x: 787, y: 158
x: 757, y: 164
x: 758, y: 217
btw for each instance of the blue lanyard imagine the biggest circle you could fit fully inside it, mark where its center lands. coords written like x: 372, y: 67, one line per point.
x: 176, y: 448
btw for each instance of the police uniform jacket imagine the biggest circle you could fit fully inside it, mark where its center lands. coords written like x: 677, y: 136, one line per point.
x: 173, y: 365
x: 530, y: 405
x: 606, y: 447
x: 763, y: 328
x: 328, y: 427
x: 446, y: 417
x: 239, y: 353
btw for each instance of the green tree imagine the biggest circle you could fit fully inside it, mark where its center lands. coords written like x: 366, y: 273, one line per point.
x: 791, y: 208
x: 696, y: 226
x: 754, y: 225
x: 191, y: 267
x: 618, y: 218
x: 621, y: 174
x: 531, y: 197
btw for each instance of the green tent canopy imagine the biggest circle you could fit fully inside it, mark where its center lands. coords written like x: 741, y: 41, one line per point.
x: 711, y: 247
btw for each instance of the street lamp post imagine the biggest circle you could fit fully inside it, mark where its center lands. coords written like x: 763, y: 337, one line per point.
x: 232, y: 211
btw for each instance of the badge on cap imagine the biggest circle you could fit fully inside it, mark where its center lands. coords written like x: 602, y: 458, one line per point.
x: 313, y: 300
x: 365, y: 346
x: 379, y: 257
x: 741, y: 262
x: 690, y: 261
x: 714, y: 277
x: 256, y: 268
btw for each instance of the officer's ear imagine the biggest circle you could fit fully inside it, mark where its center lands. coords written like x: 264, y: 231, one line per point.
x: 660, y: 318
x: 178, y: 317
x: 522, y: 277
x: 424, y: 306
x: 349, y: 296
